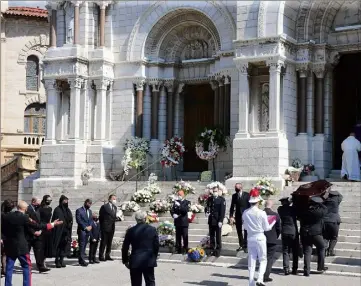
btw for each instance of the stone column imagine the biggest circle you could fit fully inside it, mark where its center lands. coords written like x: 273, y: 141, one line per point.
x: 147, y: 112
x: 75, y: 86
x: 221, y: 103
x: 302, y: 100
x: 108, y: 134
x: 162, y: 116
x: 84, y: 106
x: 101, y: 109
x: 275, y: 97
x: 227, y: 105
x: 53, y: 29
x: 139, y: 109
x: 243, y: 107
x: 76, y: 21
x: 319, y: 71
x: 102, y: 25
x: 155, y: 111
x: 178, y: 111
x: 214, y: 85
x: 52, y: 105
x: 170, y: 113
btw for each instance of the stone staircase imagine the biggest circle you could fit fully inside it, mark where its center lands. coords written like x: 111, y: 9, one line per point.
x: 348, y: 250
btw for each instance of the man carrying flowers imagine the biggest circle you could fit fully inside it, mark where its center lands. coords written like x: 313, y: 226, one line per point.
x: 179, y: 212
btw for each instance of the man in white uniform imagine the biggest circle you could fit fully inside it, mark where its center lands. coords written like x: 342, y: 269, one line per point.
x: 256, y: 223
x: 350, y: 159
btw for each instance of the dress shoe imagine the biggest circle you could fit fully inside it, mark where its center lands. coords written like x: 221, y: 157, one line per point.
x: 43, y: 269
x: 320, y: 271
x: 84, y: 264
x: 239, y: 249
x: 286, y: 272
x: 96, y: 261
x: 331, y: 253
x: 267, y: 279
x: 91, y: 262
x: 57, y: 265
x: 294, y: 272
x: 245, y: 249
x: 101, y: 259
x: 260, y: 284
x: 306, y: 274
x: 109, y: 258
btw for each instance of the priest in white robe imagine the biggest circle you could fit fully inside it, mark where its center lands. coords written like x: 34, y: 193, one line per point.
x: 350, y: 159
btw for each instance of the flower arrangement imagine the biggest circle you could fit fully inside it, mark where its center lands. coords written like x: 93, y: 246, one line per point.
x: 143, y: 196
x: 203, y: 198
x: 266, y: 188
x: 152, y: 217
x: 129, y: 207
x: 295, y: 170
x: 205, y: 242
x: 196, y: 254
x: 74, y: 248
x: 172, y: 152
x: 160, y: 206
x: 209, y: 142
x: 219, y: 185
x: 166, y: 228
x: 186, y: 187
x: 308, y: 169
x: 120, y: 215
x: 136, y: 150
x: 152, y: 186
x: 166, y: 240
x: 196, y: 208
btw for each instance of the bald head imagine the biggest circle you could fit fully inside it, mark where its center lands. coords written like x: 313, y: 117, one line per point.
x: 269, y: 204
x: 22, y: 206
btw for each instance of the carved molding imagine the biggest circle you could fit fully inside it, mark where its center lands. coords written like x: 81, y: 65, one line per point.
x: 139, y: 85
x: 303, y: 69
x: 103, y: 4
x: 102, y: 84
x: 101, y: 69
x: 261, y: 19
x: 319, y: 69
x: 214, y: 84
x: 241, y: 66
x: 63, y: 69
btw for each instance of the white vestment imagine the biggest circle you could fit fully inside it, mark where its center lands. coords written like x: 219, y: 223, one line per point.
x: 350, y: 160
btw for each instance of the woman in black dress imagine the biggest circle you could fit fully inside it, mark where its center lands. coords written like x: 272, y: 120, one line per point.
x: 45, y: 211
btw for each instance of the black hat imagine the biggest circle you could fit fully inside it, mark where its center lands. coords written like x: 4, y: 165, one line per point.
x: 334, y: 193
x: 317, y: 200
x: 284, y: 199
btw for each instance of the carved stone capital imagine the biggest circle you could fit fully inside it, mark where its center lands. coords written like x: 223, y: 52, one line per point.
x: 139, y: 85
x: 275, y: 66
x: 102, y: 84
x: 242, y: 66
x: 334, y: 58
x: 103, y: 4
x: 76, y: 3
x: 75, y: 82
x: 50, y: 84
x: 227, y: 80
x: 169, y: 85
x: 220, y: 81
x: 214, y: 84
x: 319, y: 69
x: 180, y: 87
x: 303, y: 69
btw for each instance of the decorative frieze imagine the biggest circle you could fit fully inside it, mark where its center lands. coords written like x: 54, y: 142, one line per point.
x: 103, y: 69
x: 64, y: 69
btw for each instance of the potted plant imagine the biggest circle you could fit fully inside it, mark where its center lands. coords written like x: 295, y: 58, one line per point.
x: 307, y: 174
x: 143, y: 197
x: 161, y: 207
x: 295, y: 170
x: 129, y: 208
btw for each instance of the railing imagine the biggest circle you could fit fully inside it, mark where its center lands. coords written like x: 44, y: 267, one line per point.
x: 21, y: 139
x: 9, y: 169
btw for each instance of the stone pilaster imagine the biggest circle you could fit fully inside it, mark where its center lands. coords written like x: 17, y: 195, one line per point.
x: 170, y: 111
x: 221, y: 102
x: 108, y: 133
x: 214, y: 85
x: 52, y: 105
x: 147, y: 114
x: 178, y: 111
x: 139, y: 109
x: 227, y: 105
x: 74, y: 130
x: 162, y: 116
x: 101, y: 109
x: 302, y: 98
x: 84, y: 108
x: 319, y: 70
x: 102, y: 6
x: 155, y: 111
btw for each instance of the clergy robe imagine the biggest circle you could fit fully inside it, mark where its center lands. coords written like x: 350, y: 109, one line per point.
x: 350, y: 161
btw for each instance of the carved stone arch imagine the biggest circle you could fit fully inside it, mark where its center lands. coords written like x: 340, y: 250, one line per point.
x: 212, y: 9
x: 301, y: 20
x: 36, y: 46
x: 36, y: 98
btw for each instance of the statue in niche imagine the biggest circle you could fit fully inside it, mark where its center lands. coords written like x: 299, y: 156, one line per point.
x: 69, y: 22
x: 264, y: 108
x: 196, y: 50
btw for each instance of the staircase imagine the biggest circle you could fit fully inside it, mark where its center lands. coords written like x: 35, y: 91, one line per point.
x: 348, y: 249
x: 335, y: 176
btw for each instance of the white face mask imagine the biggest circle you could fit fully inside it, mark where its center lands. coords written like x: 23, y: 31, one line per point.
x: 215, y: 194
x: 114, y: 202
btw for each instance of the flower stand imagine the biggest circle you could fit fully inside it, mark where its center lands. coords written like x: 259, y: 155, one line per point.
x: 309, y: 178
x: 128, y: 213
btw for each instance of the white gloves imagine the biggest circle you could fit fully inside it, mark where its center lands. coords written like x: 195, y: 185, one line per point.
x: 177, y: 203
x: 207, y: 214
x: 175, y: 216
x: 220, y: 224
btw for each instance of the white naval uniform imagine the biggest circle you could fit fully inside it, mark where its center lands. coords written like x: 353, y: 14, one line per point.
x: 256, y: 223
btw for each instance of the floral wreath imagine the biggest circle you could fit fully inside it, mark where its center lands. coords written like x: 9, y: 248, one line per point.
x: 172, y: 152
x: 135, y: 156
x: 209, y: 142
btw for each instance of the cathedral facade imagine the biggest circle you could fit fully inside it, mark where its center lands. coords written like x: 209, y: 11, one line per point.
x: 279, y: 77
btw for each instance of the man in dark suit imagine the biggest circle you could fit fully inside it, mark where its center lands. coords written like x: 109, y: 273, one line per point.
x: 107, y: 218
x: 84, y: 219
x: 13, y: 227
x: 311, y: 220
x: 272, y: 237
x: 240, y: 202
x: 34, y: 236
x: 143, y: 238
x: 179, y: 213
x: 94, y: 239
x: 290, y: 236
x: 216, y: 211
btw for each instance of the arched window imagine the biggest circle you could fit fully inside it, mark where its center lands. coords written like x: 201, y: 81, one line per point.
x: 32, y: 73
x: 35, y: 118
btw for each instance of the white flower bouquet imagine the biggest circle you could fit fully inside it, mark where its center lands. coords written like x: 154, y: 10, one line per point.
x: 196, y: 208
x: 136, y: 150
x: 186, y: 187
x: 160, y: 206
x: 129, y: 207
x: 120, y: 215
x: 220, y: 186
x: 266, y: 188
x: 166, y: 240
x: 143, y: 196
x: 152, y: 185
x: 172, y: 152
x: 166, y: 228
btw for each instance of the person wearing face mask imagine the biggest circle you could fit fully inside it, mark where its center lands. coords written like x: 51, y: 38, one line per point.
x: 239, y: 203
x: 216, y: 211
x: 33, y: 235
x: 94, y: 239
x: 45, y: 211
x: 107, y: 218
x: 62, y: 235
x: 84, y: 219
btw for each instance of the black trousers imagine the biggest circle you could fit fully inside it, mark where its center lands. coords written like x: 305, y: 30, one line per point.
x: 290, y: 244
x: 136, y: 276
x: 215, y: 236
x: 38, y: 251
x: 106, y: 242
x: 93, y: 246
x: 271, y: 258
x: 330, y: 235
x: 181, y: 233
x: 242, y: 239
x: 307, y: 242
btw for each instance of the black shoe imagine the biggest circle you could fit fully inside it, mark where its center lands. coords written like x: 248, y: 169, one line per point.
x: 331, y: 253
x: 267, y: 279
x: 57, y: 265
x: 101, y: 259
x: 306, y: 274
x: 109, y: 258
x: 294, y: 272
x: 91, y: 262
x: 217, y: 253
x: 245, y: 249
x: 239, y: 249
x: 320, y: 271
x: 96, y: 261
x: 84, y: 264
x: 260, y: 284
x: 43, y: 269
x: 345, y: 177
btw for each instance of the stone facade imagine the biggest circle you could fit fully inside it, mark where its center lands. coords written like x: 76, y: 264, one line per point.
x: 108, y: 61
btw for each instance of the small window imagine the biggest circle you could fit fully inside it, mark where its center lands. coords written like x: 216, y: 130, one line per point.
x: 35, y: 118
x: 32, y: 73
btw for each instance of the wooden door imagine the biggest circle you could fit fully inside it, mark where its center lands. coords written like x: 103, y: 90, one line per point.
x: 198, y: 114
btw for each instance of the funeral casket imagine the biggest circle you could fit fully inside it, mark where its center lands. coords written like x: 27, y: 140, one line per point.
x: 304, y: 193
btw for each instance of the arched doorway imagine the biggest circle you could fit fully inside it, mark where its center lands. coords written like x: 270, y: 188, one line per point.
x: 346, y: 101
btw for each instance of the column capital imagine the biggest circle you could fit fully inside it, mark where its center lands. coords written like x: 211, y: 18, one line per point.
x: 75, y: 82
x: 50, y: 84
x: 102, y: 84
x: 319, y: 69
x: 180, y: 87
x: 76, y: 3
x: 139, y: 84
x: 303, y: 69
x: 220, y: 81
x: 103, y: 4
x: 227, y: 80
x: 275, y: 66
x: 214, y: 84
x: 169, y: 84
x: 242, y: 66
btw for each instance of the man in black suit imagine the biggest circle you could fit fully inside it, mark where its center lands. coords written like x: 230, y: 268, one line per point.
x: 143, y: 238
x: 179, y: 213
x: 107, y: 218
x: 290, y: 236
x: 240, y: 202
x: 272, y: 237
x: 13, y: 227
x: 311, y: 220
x: 216, y: 211
x: 33, y: 235
x: 84, y: 219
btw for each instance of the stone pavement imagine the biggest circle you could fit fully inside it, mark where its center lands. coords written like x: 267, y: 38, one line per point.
x: 114, y: 273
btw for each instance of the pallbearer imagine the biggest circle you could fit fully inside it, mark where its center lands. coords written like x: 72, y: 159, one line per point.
x: 332, y: 221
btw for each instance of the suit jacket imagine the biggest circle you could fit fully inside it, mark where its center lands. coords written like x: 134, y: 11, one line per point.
x: 216, y: 207
x: 107, y: 217
x: 95, y: 232
x: 145, y: 246
x: 31, y: 229
x: 182, y: 212
x: 332, y: 203
x: 287, y: 215
x: 273, y: 234
x: 13, y: 227
x: 311, y: 220
x: 83, y: 219
x: 240, y: 204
